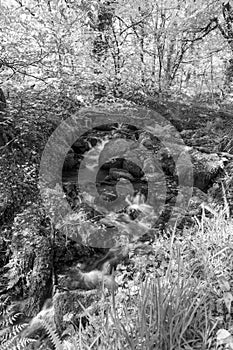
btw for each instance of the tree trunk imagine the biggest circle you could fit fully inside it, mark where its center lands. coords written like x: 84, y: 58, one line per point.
x: 3, y: 138
x: 101, y: 44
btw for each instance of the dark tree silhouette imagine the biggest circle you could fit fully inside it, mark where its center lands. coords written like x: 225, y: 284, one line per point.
x: 3, y: 138
x: 2, y: 101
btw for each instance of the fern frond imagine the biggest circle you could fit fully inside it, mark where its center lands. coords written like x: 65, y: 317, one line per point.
x: 10, y: 320
x: 4, y: 305
x: 14, y: 342
x: 4, y: 334
x: 8, y: 344
x: 16, y: 329
x: 22, y: 343
x: 54, y: 337
x: 10, y: 333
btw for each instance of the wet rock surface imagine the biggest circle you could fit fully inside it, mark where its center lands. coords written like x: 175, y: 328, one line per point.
x: 117, y: 161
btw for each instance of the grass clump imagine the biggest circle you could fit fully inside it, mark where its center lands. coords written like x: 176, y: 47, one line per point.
x: 181, y: 303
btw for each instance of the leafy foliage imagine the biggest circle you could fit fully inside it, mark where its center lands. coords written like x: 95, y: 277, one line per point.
x: 11, y: 329
x: 57, y: 56
x: 154, y: 46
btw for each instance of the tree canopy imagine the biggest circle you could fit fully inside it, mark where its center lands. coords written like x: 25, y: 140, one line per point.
x: 80, y: 46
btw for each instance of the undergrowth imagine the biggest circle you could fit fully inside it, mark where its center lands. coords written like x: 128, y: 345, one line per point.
x: 184, y: 303
x: 176, y: 294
